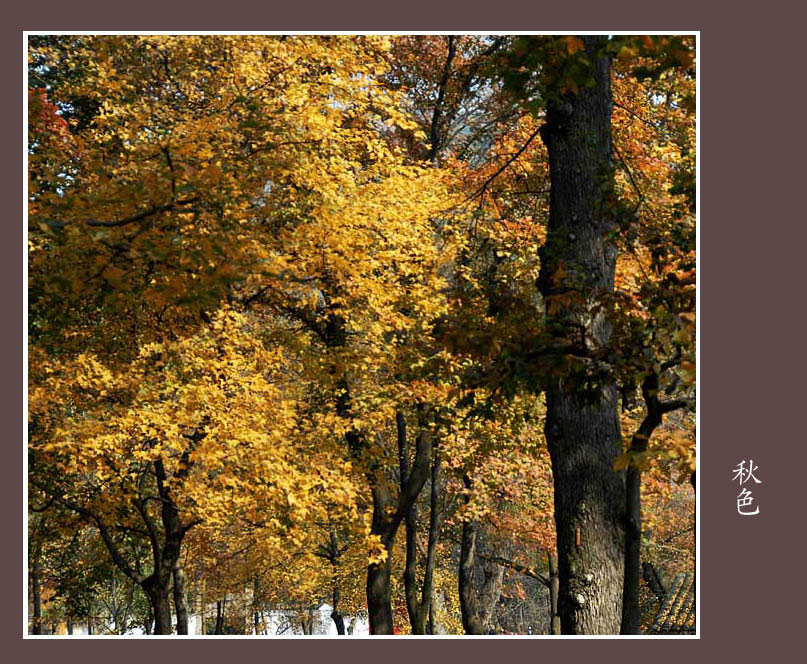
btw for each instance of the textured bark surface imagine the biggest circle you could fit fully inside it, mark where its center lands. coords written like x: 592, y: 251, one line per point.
x: 582, y: 428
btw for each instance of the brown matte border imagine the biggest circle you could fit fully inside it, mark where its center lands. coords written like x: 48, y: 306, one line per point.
x: 752, y: 244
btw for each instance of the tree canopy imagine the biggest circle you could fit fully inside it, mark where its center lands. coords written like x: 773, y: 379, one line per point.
x: 404, y: 325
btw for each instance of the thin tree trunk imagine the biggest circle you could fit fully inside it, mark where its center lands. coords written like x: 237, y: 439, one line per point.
x: 476, y: 607
x: 419, y: 609
x: 336, y: 616
x: 582, y: 425
x: 180, y: 604
x: 307, y: 623
x: 427, y: 591
x: 36, y: 590
x: 387, y: 517
x: 219, y: 627
x: 633, y: 531
x: 655, y: 411
x: 554, y: 586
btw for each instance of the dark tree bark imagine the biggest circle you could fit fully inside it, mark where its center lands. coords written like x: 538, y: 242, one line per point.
x: 582, y: 423
x: 336, y: 615
x: 159, y: 599
x: 180, y: 605
x: 219, y: 626
x: 379, y: 602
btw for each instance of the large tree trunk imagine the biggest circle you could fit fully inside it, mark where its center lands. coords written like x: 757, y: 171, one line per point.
x: 582, y: 425
x: 160, y: 602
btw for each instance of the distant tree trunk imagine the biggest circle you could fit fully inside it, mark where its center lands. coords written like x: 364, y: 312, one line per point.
x: 69, y: 626
x: 307, y: 622
x: 219, y: 627
x: 165, y: 546
x: 419, y: 610
x: 582, y: 425
x: 336, y: 616
x: 36, y: 589
x: 476, y: 607
x: 633, y: 528
x: 339, y: 621
x: 554, y: 586
x: 179, y: 599
x: 655, y: 411
x: 388, y: 512
x: 471, y: 621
